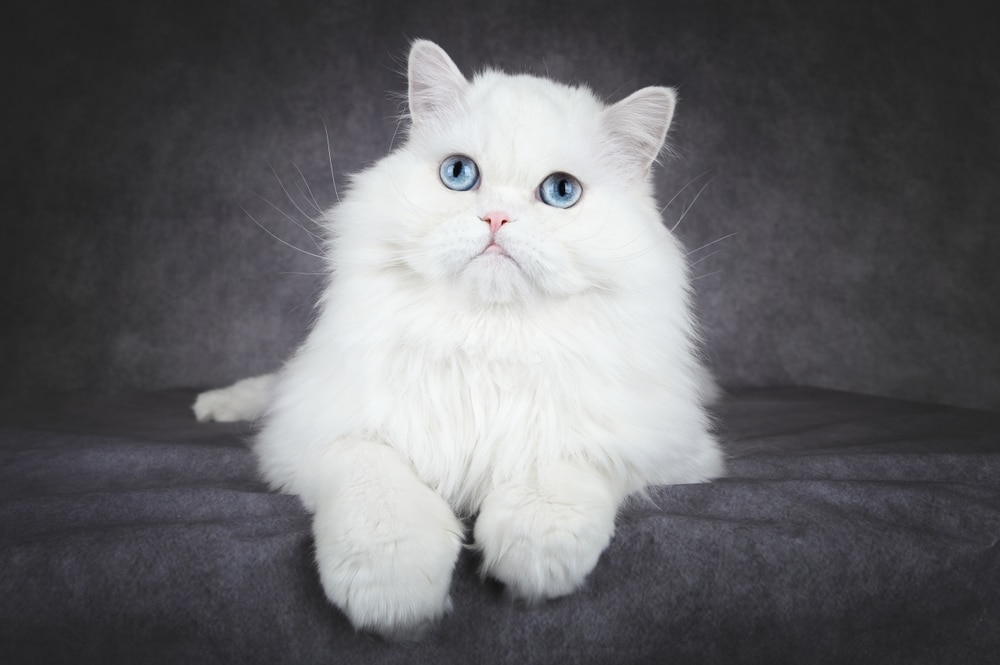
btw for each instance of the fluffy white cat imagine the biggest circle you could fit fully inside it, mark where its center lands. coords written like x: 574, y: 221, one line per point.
x: 506, y: 332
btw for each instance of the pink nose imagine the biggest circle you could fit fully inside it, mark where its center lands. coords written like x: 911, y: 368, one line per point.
x: 495, y: 220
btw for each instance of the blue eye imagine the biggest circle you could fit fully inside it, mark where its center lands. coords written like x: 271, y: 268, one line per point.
x: 560, y: 190
x: 460, y: 173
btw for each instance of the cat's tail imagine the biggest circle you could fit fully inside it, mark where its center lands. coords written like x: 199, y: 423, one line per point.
x: 244, y: 400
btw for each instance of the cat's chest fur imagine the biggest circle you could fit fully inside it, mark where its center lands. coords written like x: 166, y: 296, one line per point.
x: 475, y: 396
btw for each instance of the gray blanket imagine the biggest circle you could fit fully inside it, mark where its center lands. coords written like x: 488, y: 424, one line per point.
x: 849, y: 529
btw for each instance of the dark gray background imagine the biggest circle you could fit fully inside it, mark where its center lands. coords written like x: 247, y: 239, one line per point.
x: 852, y: 148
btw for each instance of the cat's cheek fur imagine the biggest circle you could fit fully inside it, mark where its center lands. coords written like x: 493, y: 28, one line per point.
x: 385, y: 543
x: 541, y: 537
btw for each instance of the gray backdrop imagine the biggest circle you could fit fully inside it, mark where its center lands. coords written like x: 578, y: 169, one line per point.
x: 852, y: 148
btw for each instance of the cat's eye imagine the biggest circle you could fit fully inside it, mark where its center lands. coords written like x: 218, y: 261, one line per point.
x: 459, y: 173
x: 560, y: 190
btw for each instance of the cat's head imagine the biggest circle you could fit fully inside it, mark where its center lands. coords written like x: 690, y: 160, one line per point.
x: 516, y: 187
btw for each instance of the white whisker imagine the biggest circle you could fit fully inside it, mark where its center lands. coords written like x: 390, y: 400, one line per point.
x: 709, y: 244
x: 708, y: 274
x: 707, y: 256
x: 329, y: 154
x: 292, y: 201
x: 311, y: 196
x: 395, y: 131
x: 281, y: 240
x: 312, y: 236
x: 681, y: 190
x: 687, y: 209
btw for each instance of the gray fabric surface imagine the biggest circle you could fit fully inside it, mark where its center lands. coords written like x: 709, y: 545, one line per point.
x: 852, y: 145
x: 850, y: 529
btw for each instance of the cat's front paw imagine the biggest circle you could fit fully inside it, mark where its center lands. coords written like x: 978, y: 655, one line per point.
x: 388, y: 567
x: 542, y: 538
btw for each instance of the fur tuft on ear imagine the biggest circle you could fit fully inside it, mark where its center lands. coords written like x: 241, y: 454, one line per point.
x: 435, y: 82
x: 635, y: 128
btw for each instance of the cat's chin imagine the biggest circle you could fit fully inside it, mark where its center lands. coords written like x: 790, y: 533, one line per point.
x: 494, y: 278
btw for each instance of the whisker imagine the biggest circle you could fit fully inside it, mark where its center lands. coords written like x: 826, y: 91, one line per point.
x: 329, y: 154
x: 687, y: 209
x: 289, y: 197
x: 708, y: 274
x: 709, y: 244
x: 312, y: 236
x: 653, y: 244
x: 681, y: 190
x: 707, y: 256
x: 642, y: 252
x: 281, y: 240
x: 395, y: 131
x: 674, y: 227
x: 311, y: 196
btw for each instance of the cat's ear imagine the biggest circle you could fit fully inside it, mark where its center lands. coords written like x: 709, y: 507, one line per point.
x: 635, y: 128
x: 435, y: 82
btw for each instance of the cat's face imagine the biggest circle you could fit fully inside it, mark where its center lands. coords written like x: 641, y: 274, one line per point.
x: 513, y: 187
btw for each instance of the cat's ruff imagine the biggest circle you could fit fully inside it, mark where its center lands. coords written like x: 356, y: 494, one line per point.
x: 498, y: 337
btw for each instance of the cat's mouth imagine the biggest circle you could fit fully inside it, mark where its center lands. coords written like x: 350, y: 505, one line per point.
x: 494, y: 249
x: 496, y: 258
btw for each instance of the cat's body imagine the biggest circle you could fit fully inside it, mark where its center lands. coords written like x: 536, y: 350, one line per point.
x: 482, y: 348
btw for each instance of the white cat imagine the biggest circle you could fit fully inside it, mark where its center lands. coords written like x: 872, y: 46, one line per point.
x: 505, y: 332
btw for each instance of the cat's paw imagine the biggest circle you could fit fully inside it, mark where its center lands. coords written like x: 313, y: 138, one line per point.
x: 542, y: 538
x: 244, y: 400
x: 388, y: 565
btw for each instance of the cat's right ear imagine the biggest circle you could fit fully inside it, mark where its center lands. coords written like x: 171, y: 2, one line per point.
x: 635, y: 128
x: 435, y: 82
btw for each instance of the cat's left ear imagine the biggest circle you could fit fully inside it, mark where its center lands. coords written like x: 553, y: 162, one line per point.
x: 435, y: 82
x: 635, y: 128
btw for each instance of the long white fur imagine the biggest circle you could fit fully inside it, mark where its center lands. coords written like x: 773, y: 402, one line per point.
x: 538, y: 389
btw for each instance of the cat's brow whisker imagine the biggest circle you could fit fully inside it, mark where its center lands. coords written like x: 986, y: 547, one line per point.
x: 312, y: 236
x: 688, y: 207
x: 681, y: 190
x: 617, y: 91
x: 281, y: 240
x: 329, y: 154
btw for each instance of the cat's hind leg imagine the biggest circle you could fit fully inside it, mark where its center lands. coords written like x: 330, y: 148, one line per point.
x: 244, y: 400
x: 386, y: 544
x: 542, y: 536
